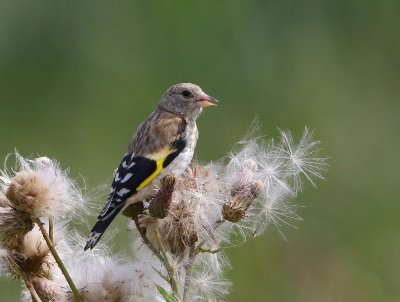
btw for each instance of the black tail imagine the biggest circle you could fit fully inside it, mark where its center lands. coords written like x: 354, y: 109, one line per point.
x: 100, y: 227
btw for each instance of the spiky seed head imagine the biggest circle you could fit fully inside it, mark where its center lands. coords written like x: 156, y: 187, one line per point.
x: 168, y: 182
x: 242, y: 197
x: 191, y: 176
x: 178, y: 229
x: 206, y: 285
x: 3, y: 201
x: 48, y: 290
x: 133, y: 210
x: 41, y: 188
x: 233, y: 214
x: 198, y: 179
x: 31, y: 254
x: 28, y: 192
x: 13, y: 224
x: 161, y: 201
x: 250, y: 164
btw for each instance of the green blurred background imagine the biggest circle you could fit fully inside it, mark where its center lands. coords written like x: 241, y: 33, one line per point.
x: 76, y: 78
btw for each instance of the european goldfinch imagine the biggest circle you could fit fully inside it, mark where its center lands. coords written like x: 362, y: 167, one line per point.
x: 164, y: 143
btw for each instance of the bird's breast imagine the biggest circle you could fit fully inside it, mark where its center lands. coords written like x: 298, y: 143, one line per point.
x: 182, y: 161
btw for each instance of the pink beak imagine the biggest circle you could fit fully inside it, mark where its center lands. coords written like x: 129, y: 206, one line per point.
x: 204, y: 100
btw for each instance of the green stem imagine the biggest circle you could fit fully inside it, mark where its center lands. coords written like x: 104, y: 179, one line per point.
x: 51, y: 230
x: 61, y: 265
x: 146, y: 241
x: 188, y: 271
x: 34, y: 294
x: 171, y: 270
x: 161, y: 255
x: 199, y: 246
x: 210, y: 251
x: 28, y: 283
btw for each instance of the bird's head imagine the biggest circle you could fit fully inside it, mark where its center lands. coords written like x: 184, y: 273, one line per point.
x: 186, y: 99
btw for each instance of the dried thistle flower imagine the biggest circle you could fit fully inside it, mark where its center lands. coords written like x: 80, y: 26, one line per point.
x: 100, y: 277
x: 41, y: 188
x: 3, y: 201
x: 179, y: 255
x: 48, y: 290
x: 38, y: 189
x: 27, y: 192
x: 178, y: 230
x: 301, y: 157
x: 13, y: 224
x: 161, y: 201
x: 206, y: 285
x: 255, y: 188
x: 31, y: 254
x: 203, y: 192
x: 242, y: 197
x: 133, y: 210
x: 279, y: 166
x: 198, y: 177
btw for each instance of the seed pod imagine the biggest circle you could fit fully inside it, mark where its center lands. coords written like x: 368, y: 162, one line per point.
x: 28, y: 192
x: 178, y: 229
x: 161, y: 201
x: 242, y: 198
x: 13, y: 224
x: 133, y: 210
x: 3, y: 201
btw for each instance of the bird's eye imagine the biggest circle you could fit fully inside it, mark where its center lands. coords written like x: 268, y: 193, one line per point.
x: 187, y: 93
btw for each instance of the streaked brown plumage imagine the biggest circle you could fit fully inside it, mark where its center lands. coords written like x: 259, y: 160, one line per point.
x: 164, y: 143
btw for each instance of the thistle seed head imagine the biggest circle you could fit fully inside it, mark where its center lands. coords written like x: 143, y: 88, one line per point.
x: 161, y: 201
x: 48, y: 290
x: 41, y: 188
x: 242, y: 197
x: 3, y: 201
x: 27, y: 192
x: 133, y: 210
x: 31, y: 254
x: 178, y: 230
x: 13, y: 224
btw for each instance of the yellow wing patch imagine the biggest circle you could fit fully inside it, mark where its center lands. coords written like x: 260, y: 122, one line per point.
x: 153, y: 175
x: 159, y: 158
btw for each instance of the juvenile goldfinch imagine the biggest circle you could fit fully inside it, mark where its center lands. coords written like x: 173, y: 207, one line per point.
x: 164, y: 143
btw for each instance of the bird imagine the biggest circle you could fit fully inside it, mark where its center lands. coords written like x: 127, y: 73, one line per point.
x: 163, y: 144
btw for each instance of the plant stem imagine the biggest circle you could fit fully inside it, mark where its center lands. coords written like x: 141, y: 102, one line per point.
x: 51, y: 230
x: 61, y: 265
x: 146, y: 241
x: 171, y: 270
x: 160, y: 255
x: 200, y: 245
x: 34, y: 294
x: 188, y: 271
x: 28, y: 283
x: 210, y: 251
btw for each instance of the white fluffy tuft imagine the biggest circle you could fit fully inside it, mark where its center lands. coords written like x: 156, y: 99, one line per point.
x: 41, y: 188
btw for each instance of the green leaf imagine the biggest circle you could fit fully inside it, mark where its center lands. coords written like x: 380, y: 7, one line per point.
x: 166, y: 295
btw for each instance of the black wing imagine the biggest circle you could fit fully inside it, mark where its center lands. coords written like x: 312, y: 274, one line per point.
x: 132, y: 171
